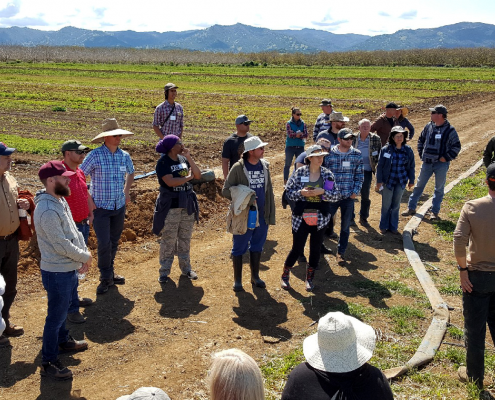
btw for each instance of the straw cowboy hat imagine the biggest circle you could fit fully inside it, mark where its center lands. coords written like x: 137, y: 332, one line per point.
x: 110, y: 128
x: 342, y: 344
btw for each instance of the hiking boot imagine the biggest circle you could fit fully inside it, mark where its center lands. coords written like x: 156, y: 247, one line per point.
x: 118, y: 279
x: 104, y: 285
x: 364, y: 222
x: 191, y: 275
x: 284, y: 281
x: 76, y: 318
x: 408, y: 212
x: 163, y: 278
x: 310, y: 274
x: 73, y: 345
x: 340, y: 259
x: 325, y: 250
x: 13, y: 330
x: 4, y: 341
x: 84, y: 302
x: 56, y: 370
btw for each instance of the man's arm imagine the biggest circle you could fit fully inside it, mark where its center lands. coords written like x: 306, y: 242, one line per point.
x: 462, y: 233
x: 158, y: 132
x: 453, y: 146
x: 127, y: 188
x: 91, y: 207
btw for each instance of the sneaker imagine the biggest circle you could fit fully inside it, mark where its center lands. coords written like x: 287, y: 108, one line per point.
x: 434, y: 216
x: 56, y: 370
x: 118, y: 279
x: 73, y: 345
x: 191, y: 275
x: 163, y: 278
x: 104, y: 285
x: 76, y: 318
x: 364, y: 222
x: 4, y: 341
x: 340, y: 259
x: 408, y: 212
x: 284, y: 280
x: 84, y: 302
x: 13, y: 330
x: 325, y: 250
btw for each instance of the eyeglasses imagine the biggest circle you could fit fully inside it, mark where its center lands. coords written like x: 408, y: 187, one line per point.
x: 79, y: 152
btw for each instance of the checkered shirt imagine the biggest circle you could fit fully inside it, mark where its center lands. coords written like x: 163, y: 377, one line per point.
x: 322, y: 124
x: 398, y: 173
x: 170, y: 127
x: 108, y: 173
x: 294, y: 187
x: 348, y: 178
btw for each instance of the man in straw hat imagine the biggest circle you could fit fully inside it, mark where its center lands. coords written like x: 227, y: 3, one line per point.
x: 323, y: 120
x: 169, y: 115
x: 252, y: 174
x: 112, y: 174
x: 336, y: 363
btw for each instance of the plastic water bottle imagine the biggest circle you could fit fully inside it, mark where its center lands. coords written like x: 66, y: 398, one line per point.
x: 80, y: 276
x: 252, y: 217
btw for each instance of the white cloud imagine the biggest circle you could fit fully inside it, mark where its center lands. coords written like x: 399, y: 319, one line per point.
x: 10, y: 9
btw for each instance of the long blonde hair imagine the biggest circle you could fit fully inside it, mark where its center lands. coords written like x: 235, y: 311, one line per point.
x: 235, y: 376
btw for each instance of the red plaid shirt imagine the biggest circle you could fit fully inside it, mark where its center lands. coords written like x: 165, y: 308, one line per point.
x: 78, y: 199
x: 175, y: 122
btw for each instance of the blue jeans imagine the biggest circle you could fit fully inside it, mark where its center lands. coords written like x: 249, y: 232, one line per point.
x: 390, y: 207
x: 291, y: 152
x: 84, y: 229
x: 346, y: 211
x: 108, y: 226
x: 74, y: 306
x: 427, y: 170
x: 60, y: 288
x: 478, y: 309
x: 254, y: 239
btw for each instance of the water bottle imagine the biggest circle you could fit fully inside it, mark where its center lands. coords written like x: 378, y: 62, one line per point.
x: 81, y: 276
x: 252, y: 217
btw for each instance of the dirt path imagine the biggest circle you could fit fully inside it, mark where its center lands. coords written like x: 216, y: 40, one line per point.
x: 142, y: 334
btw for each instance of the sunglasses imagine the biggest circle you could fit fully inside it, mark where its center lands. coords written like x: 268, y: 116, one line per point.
x: 299, y: 114
x: 79, y: 152
x: 346, y: 138
x: 246, y: 123
x: 434, y: 112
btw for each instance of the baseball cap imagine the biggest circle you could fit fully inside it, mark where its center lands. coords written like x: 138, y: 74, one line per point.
x: 326, y: 102
x: 4, y: 150
x: 345, y: 133
x: 241, y: 119
x: 439, y: 109
x: 490, y: 172
x: 170, y: 85
x: 73, y: 145
x: 392, y: 105
x: 53, y: 168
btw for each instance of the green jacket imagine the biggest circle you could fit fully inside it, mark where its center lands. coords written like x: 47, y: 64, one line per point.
x: 238, y: 176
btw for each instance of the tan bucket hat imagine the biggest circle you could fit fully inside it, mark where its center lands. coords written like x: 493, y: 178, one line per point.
x: 337, y: 116
x: 110, y: 128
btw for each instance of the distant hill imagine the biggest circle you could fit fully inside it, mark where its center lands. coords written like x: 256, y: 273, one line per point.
x: 248, y: 39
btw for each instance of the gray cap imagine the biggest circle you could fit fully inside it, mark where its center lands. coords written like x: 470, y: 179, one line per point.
x: 338, y: 117
x: 170, y: 85
x: 73, y: 145
x: 398, y: 128
x: 345, y: 133
x: 242, y: 119
x: 326, y: 102
x: 439, y: 109
x: 146, y: 393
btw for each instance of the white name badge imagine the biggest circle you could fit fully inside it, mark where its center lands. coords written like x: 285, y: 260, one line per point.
x: 346, y: 164
x: 386, y: 155
x: 122, y: 169
x: 438, y: 136
x: 304, y: 179
x: 172, y: 118
x: 375, y: 153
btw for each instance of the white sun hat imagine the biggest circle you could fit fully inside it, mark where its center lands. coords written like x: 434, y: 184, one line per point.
x: 253, y: 143
x: 342, y: 344
x: 110, y: 128
x: 146, y: 393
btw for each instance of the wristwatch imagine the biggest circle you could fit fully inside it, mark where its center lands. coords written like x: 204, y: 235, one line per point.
x: 462, y: 269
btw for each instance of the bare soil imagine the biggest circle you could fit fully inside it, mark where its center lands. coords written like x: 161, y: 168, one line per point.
x: 145, y: 334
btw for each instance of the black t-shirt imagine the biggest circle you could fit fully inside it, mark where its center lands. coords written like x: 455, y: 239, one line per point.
x: 179, y: 168
x: 233, y: 148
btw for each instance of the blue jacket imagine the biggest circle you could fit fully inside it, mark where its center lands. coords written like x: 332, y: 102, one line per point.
x: 385, y: 164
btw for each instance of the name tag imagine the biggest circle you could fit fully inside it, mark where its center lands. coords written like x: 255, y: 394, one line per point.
x: 346, y: 164
x: 304, y: 179
x: 438, y: 136
x: 172, y: 118
x: 375, y: 153
x: 386, y: 155
x: 122, y: 169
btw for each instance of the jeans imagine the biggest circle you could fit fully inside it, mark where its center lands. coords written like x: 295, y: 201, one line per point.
x: 108, y: 226
x: 427, y: 170
x: 9, y: 257
x: 74, y: 305
x: 84, y: 229
x: 291, y: 152
x: 346, y: 211
x: 299, y: 239
x: 254, y: 239
x: 478, y: 309
x: 365, y: 195
x: 390, y: 207
x: 60, y: 287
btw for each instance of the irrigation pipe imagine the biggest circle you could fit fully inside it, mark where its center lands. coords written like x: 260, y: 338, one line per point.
x: 435, y: 333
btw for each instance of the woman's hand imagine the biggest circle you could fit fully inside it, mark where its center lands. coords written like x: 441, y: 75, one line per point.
x: 378, y: 187
x: 310, y: 192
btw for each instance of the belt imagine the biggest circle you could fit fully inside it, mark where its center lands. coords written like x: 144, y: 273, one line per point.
x: 84, y: 222
x: 8, y: 237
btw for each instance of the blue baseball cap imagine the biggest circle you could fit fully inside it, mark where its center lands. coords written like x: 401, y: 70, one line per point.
x: 4, y: 150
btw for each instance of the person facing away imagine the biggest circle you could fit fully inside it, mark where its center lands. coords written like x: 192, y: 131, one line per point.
x: 323, y: 120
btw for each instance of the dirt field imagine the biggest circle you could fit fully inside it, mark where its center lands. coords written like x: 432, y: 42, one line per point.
x: 145, y: 334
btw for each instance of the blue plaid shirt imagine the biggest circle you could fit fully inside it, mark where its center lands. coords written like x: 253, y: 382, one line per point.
x: 322, y: 124
x: 347, y: 169
x: 108, y: 172
x: 398, y: 173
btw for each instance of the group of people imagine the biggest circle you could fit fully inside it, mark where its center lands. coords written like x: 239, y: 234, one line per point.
x: 328, y: 175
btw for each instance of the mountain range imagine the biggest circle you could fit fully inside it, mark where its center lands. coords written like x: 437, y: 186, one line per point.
x: 247, y: 39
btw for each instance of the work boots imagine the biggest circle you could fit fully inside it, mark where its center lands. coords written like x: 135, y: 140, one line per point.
x: 237, y: 261
x: 254, y: 262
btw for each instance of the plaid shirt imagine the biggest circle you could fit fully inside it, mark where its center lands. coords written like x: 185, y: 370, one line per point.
x: 294, y: 187
x: 398, y: 173
x: 347, y: 169
x: 108, y: 172
x: 171, y: 127
x: 322, y: 124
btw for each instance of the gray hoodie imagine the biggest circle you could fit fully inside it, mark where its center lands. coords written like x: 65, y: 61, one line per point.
x: 61, y: 244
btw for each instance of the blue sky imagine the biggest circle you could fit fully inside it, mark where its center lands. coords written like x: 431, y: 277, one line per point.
x: 363, y: 17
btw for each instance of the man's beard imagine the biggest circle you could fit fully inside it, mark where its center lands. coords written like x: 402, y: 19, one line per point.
x: 61, y: 190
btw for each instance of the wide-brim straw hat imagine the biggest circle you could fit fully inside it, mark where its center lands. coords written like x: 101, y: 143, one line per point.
x: 342, y: 344
x: 110, y: 128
